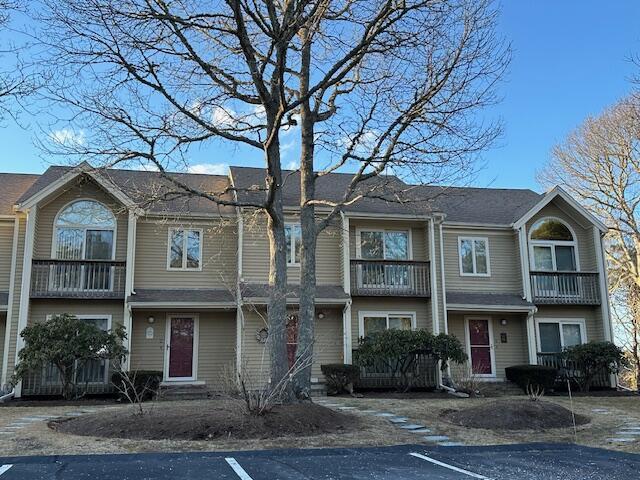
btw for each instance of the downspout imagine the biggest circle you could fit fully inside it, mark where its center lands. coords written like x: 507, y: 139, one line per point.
x: 8, y: 396
x: 346, y: 285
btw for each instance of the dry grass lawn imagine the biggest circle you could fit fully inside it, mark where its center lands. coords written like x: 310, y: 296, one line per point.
x: 427, y: 411
x: 38, y: 439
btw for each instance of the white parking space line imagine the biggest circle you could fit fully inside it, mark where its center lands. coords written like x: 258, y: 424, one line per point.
x: 4, y: 468
x: 450, y: 467
x: 238, y: 469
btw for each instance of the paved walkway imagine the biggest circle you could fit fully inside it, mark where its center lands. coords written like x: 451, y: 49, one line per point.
x: 425, y: 433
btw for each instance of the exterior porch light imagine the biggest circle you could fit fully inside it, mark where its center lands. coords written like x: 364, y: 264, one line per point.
x: 151, y: 319
x: 503, y: 321
x: 320, y: 315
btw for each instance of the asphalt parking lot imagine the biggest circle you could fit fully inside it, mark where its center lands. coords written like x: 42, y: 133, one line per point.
x: 406, y: 462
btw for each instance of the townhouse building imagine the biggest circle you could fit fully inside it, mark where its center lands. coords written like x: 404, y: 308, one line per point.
x: 517, y: 276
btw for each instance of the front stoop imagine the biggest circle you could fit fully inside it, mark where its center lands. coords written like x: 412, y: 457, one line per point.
x: 183, y: 392
x: 318, y: 390
x: 500, y: 389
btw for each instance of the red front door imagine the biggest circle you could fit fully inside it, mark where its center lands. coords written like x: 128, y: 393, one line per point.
x: 480, y: 346
x: 181, y: 347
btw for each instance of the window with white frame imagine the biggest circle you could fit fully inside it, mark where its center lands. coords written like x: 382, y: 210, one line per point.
x: 556, y: 335
x: 372, y: 322
x: 384, y: 245
x: 474, y: 256
x: 553, y: 246
x: 185, y: 249
x: 293, y: 239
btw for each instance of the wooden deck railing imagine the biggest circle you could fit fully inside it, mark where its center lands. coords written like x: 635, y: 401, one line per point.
x: 423, y: 374
x: 94, y: 378
x: 568, y: 370
x: 52, y: 278
x: 565, y: 288
x: 390, y: 278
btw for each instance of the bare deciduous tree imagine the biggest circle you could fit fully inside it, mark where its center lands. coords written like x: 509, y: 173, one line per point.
x: 599, y: 163
x: 372, y: 86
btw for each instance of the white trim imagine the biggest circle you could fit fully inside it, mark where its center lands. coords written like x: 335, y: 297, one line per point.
x: 291, y: 225
x: 555, y: 192
x: 435, y: 320
x: 443, y: 284
x: 238, y: 302
x: 359, y: 231
x: 54, y: 242
x: 384, y: 313
x: 531, y: 339
x: 390, y: 216
x: 471, y: 307
x: 83, y: 168
x: 194, y: 353
x: 9, y: 316
x: 25, y: 288
x: 524, y: 263
x: 473, y: 240
x: 346, y: 255
x: 185, y: 237
x: 491, y: 345
x: 476, y: 226
x: 295, y: 301
x: 603, y: 280
x: 240, y: 228
x: 553, y: 243
x: 128, y: 284
x: 561, y: 321
x: 347, y: 335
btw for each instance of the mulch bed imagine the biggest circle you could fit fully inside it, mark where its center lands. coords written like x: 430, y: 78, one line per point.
x: 207, y: 421
x: 514, y: 415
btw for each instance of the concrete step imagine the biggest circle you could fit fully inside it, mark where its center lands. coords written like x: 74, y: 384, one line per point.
x: 500, y: 389
x: 183, y: 392
x: 318, y: 390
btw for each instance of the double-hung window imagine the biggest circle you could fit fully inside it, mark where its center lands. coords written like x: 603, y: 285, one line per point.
x: 372, y: 322
x: 293, y: 238
x: 556, y: 335
x: 185, y: 249
x: 474, y: 256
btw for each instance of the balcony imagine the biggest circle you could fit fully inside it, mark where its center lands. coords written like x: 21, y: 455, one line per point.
x: 102, y: 279
x: 401, y: 278
x: 565, y: 288
x: 568, y: 370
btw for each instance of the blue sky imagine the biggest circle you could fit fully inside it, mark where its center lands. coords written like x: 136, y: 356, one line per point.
x: 570, y: 60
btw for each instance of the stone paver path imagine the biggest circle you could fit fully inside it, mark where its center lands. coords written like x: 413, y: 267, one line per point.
x: 397, y: 420
x: 23, y: 422
x: 628, y: 432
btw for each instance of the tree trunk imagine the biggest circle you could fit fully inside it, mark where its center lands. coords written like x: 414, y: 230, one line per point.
x: 306, y: 316
x: 277, y: 308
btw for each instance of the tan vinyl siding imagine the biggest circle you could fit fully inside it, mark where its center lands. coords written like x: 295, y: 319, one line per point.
x: 514, y: 352
x: 15, y: 302
x: 84, y: 190
x: 591, y: 316
x: 255, y: 253
x: 419, y: 243
x: 216, y: 343
x: 6, y: 253
x: 420, y: 306
x: 327, y: 349
x: 504, y: 262
x: 41, y: 308
x: 586, y: 248
x: 148, y: 354
x: 219, y: 251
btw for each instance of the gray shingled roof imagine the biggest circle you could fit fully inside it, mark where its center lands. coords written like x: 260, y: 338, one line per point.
x: 479, y: 205
x: 181, y: 296
x: 148, y: 189
x: 484, y: 298
x: 386, y: 190
x: 326, y: 292
x: 12, y: 186
x: 460, y: 204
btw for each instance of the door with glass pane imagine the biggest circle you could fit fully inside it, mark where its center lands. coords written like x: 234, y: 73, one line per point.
x: 555, y: 258
x: 384, y: 245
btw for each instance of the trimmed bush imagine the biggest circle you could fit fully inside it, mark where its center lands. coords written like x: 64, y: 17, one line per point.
x: 536, y: 376
x: 145, y: 382
x: 593, y: 359
x: 340, y: 377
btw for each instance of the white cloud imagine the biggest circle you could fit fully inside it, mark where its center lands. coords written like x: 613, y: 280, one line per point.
x: 223, y: 117
x: 292, y: 165
x: 209, y: 168
x: 68, y: 137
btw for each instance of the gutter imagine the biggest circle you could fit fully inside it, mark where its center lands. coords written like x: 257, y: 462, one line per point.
x: 8, y: 396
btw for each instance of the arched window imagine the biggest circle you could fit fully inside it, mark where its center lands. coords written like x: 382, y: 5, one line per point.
x: 553, y: 246
x: 85, y: 230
